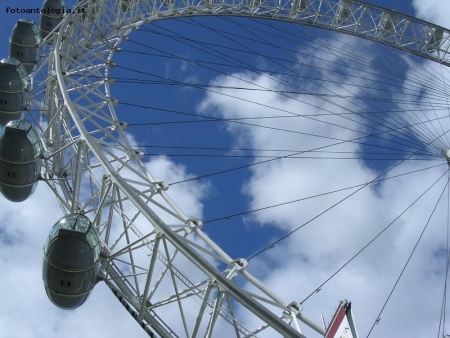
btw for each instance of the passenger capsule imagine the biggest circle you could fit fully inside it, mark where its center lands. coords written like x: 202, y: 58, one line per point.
x: 24, y: 43
x: 71, y: 261
x: 20, y: 162
x: 13, y: 90
x: 52, y: 15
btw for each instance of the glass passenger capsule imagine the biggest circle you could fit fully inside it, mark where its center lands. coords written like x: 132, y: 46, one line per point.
x: 52, y: 16
x: 24, y: 43
x: 71, y: 261
x: 13, y: 90
x: 20, y: 160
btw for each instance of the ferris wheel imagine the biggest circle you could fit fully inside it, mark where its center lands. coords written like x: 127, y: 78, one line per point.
x: 120, y: 225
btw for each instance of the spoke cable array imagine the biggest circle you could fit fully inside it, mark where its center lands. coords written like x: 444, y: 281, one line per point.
x: 282, y: 81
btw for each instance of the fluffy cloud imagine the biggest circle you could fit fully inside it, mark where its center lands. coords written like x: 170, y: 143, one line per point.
x: 296, y: 267
x: 433, y: 11
x: 326, y: 241
x: 23, y: 230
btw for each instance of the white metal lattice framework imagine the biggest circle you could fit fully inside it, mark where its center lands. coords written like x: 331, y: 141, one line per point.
x: 92, y: 167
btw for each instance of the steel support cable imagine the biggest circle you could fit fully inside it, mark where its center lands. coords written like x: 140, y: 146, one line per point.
x: 281, y: 157
x: 447, y: 264
x: 419, y: 80
x: 184, y: 38
x: 207, y: 119
x: 177, y: 241
x: 438, y: 150
x: 434, y: 110
x: 59, y: 77
x: 428, y: 137
x: 327, y: 68
x: 215, y: 156
x: 197, y: 85
x: 279, y: 150
x: 376, y: 135
x: 442, y: 319
x: 310, y: 117
x: 281, y: 81
x: 373, y: 239
x: 409, y: 259
x: 227, y: 217
x: 313, y: 44
x: 257, y: 117
x: 423, y: 127
x: 361, y: 61
x: 329, y: 208
x: 170, y: 82
x: 253, y: 164
x: 220, y: 93
x: 285, y: 37
x: 201, y: 62
x: 423, y: 84
x: 422, y: 79
x: 331, y: 102
x: 445, y: 90
x: 321, y: 42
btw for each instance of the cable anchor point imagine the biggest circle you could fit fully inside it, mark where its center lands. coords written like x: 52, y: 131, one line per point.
x: 446, y: 154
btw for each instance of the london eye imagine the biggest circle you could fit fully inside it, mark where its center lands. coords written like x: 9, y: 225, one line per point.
x: 224, y: 168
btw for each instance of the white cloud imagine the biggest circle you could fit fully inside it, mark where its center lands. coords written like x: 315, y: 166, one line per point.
x: 24, y: 228
x: 434, y: 11
x: 297, y: 266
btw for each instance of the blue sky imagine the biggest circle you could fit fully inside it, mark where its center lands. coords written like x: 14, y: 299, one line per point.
x: 308, y: 257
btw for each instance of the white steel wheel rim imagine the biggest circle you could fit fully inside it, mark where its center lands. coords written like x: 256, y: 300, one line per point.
x: 132, y: 19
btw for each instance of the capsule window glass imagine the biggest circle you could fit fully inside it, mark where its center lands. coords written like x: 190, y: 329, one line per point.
x: 51, y: 236
x: 34, y: 139
x: 35, y: 29
x: 19, y: 124
x: 23, y: 74
x: 92, y: 238
x: 82, y: 224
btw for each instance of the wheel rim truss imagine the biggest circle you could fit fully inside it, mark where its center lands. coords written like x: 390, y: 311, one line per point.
x: 92, y: 168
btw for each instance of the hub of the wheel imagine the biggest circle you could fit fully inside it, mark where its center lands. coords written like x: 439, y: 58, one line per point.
x: 446, y: 153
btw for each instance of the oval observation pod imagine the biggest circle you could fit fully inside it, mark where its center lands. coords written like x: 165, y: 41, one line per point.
x: 51, y: 15
x: 13, y: 90
x: 71, y: 261
x: 20, y: 162
x: 24, y: 43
